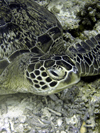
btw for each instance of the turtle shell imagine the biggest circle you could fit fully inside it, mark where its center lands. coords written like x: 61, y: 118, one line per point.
x: 26, y: 26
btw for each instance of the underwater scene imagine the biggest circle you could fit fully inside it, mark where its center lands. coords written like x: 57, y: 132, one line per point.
x: 49, y: 66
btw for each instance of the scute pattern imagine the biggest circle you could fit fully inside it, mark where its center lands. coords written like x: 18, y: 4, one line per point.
x: 32, y: 53
x: 39, y: 77
x: 25, y: 25
x: 87, y: 56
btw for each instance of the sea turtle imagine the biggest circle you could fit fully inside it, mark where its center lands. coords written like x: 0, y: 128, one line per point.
x: 32, y: 54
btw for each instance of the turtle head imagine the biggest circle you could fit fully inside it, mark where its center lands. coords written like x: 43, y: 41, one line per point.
x: 38, y: 75
x: 51, y: 75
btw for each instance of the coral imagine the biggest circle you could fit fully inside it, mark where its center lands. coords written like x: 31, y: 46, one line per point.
x: 88, y: 16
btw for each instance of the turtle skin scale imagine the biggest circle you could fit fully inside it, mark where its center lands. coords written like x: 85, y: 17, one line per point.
x: 32, y: 54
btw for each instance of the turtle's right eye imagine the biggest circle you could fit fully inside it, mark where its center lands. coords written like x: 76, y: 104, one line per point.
x: 54, y: 73
x: 57, y: 72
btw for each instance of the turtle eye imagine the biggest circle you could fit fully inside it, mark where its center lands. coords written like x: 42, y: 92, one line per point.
x: 57, y: 72
x: 54, y: 73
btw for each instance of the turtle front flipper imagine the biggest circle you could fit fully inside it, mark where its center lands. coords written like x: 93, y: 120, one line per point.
x: 86, y: 56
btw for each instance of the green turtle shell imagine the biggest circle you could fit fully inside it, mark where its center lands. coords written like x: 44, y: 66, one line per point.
x: 26, y: 26
x: 32, y: 56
